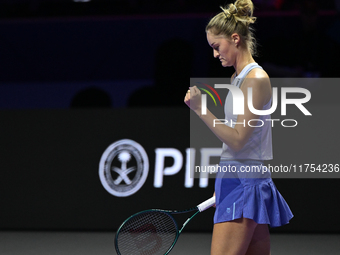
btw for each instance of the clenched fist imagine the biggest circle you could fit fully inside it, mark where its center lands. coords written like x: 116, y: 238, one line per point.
x: 193, y: 99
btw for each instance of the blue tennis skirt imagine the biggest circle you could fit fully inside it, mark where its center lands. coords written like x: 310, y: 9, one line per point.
x: 242, y: 191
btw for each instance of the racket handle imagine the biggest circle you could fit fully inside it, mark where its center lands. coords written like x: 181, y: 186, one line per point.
x: 206, y: 204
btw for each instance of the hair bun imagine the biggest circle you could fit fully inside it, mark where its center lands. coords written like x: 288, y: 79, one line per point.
x: 245, y: 7
x: 231, y: 10
x: 245, y: 10
x: 241, y: 10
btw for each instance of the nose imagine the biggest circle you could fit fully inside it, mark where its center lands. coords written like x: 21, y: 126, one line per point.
x: 216, y: 53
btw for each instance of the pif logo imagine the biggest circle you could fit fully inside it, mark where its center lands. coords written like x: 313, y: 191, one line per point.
x: 123, y: 168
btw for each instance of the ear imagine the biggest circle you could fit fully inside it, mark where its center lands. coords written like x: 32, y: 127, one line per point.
x: 235, y: 38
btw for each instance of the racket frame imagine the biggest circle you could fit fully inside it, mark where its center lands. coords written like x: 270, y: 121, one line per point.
x: 199, y: 208
x: 169, y: 213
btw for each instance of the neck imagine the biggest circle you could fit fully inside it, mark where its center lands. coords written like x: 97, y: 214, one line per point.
x: 243, y: 59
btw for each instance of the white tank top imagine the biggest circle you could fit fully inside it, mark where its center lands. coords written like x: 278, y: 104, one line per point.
x: 259, y: 145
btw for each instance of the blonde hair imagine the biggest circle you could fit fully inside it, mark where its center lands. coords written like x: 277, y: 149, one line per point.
x: 235, y: 18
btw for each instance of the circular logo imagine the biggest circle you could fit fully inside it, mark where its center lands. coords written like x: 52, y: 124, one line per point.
x: 123, y: 168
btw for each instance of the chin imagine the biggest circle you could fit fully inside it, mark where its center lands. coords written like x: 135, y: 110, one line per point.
x: 225, y: 64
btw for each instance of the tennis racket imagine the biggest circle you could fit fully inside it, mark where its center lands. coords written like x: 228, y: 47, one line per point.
x: 153, y: 232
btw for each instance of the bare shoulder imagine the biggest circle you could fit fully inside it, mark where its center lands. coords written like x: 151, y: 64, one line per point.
x: 257, y: 73
x: 259, y: 80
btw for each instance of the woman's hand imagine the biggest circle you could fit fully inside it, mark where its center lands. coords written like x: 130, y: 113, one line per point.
x: 193, y: 99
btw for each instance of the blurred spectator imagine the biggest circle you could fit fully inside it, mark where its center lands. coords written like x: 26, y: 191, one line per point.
x: 173, y: 66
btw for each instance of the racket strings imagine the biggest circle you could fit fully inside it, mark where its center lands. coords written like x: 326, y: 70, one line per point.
x: 147, y: 233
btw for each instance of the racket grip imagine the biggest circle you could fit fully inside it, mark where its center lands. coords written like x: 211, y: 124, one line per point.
x: 206, y: 204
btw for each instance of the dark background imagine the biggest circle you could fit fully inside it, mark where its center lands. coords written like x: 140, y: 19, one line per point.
x: 76, y: 77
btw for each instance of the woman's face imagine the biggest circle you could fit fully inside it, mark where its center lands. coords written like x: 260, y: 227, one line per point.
x: 222, y: 48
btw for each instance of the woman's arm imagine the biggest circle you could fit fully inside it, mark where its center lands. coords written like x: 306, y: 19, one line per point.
x: 236, y: 137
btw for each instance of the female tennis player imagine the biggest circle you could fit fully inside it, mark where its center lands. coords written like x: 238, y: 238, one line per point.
x: 246, y: 203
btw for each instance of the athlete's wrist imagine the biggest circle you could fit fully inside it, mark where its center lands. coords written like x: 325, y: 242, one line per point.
x: 198, y: 111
